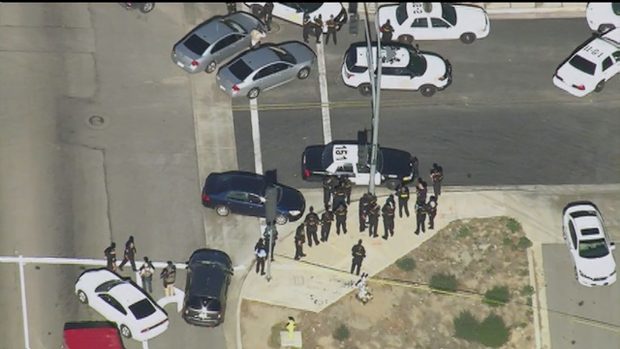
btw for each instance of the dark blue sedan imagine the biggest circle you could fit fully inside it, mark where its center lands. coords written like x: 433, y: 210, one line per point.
x: 244, y: 193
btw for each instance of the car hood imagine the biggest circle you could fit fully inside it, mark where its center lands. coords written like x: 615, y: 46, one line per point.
x: 597, y: 267
x: 396, y: 162
x: 470, y: 18
x: 436, y: 67
x: 291, y: 200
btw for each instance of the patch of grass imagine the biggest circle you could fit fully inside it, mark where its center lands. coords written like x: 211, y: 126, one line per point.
x: 341, y: 333
x: 492, y: 331
x: 466, y: 326
x: 498, y: 295
x: 406, y: 264
x: 443, y: 282
x: 527, y: 290
x: 274, y: 336
x: 463, y: 232
x: 524, y: 243
x: 513, y: 225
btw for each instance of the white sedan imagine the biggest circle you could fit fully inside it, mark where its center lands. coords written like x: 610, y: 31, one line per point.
x: 603, y: 16
x: 294, y: 11
x: 589, y: 244
x: 435, y: 21
x: 123, y: 302
x: 587, y: 69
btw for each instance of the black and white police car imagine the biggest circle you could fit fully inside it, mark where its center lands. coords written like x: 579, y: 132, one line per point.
x: 590, y: 65
x: 352, y: 159
x: 403, y: 68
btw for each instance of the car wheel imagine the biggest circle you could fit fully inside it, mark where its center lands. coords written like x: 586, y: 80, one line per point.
x: 281, y: 220
x: 303, y: 73
x: 428, y: 90
x: 468, y: 38
x: 253, y: 93
x: 365, y: 89
x: 599, y: 87
x: 222, y: 210
x: 125, y: 331
x: 147, y: 7
x: 406, y: 39
x: 256, y: 9
x: 605, y: 27
x: 211, y: 67
x: 82, y: 297
x: 392, y: 184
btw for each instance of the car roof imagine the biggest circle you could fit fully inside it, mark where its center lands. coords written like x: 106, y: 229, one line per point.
x: 238, y: 181
x: 127, y: 293
x: 207, y: 281
x: 402, y: 56
x: 213, y: 29
x: 342, y: 152
x: 587, y: 222
x: 260, y: 57
x: 605, y: 45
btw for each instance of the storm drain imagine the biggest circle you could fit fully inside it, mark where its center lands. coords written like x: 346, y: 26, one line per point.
x: 97, y: 122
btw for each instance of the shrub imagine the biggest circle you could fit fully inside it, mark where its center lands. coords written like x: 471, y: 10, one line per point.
x: 507, y: 241
x: 527, y: 290
x: 493, y: 331
x: 466, y: 326
x: 342, y: 333
x: 498, y: 295
x: 443, y: 282
x: 529, y: 301
x: 513, y: 225
x: 463, y: 232
x: 406, y: 264
x: 524, y: 243
x: 274, y: 337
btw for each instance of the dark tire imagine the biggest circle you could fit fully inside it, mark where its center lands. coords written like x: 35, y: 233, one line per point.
x: 222, y: 210
x: 211, y: 67
x: 468, y: 38
x: 428, y: 90
x: 82, y: 297
x: 605, y: 27
x: 365, y: 90
x: 303, y: 73
x: 281, y: 220
x: 256, y: 9
x: 406, y: 39
x: 253, y: 93
x: 125, y: 331
x: 392, y: 184
x: 147, y: 7
x: 599, y: 87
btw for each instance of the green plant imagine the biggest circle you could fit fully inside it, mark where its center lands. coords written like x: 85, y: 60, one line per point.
x: 498, y: 295
x: 342, y: 333
x: 463, y: 232
x: 528, y: 301
x: 527, y: 290
x: 443, y: 282
x: 513, y: 225
x: 507, y: 241
x: 493, y: 331
x: 406, y: 264
x: 466, y: 326
x: 524, y: 243
x: 274, y: 336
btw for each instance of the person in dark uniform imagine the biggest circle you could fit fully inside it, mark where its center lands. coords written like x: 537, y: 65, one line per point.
x: 331, y: 30
x: 266, y: 14
x: 431, y: 209
x: 390, y: 201
x: 436, y: 178
x: 359, y: 253
x: 341, y: 219
x: 363, y: 210
x: 318, y: 28
x: 270, y: 245
x: 386, y: 31
x: 339, y: 195
x: 403, y: 199
x: 373, y: 219
x: 231, y: 7
x: 261, y: 255
x: 300, y: 239
x: 110, y: 256
x: 326, y: 223
x: 421, y: 191
x: 129, y: 255
x: 329, y: 184
x: 307, y: 28
x: 388, y: 213
x: 420, y: 217
x: 312, y: 225
x: 346, y: 183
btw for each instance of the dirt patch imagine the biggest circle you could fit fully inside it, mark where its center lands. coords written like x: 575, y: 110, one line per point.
x: 480, y: 253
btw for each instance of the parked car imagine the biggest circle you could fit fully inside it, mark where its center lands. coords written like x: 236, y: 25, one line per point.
x: 244, y: 193
x: 403, y: 67
x: 91, y: 335
x: 603, y: 16
x: 215, y: 41
x: 588, y: 244
x: 266, y: 67
x: 294, y: 11
x: 123, y: 302
x: 435, y: 21
x: 592, y: 64
x: 208, y: 277
x: 352, y: 159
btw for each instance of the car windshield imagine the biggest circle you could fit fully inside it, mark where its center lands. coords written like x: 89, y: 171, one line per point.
x: 283, y: 55
x: 583, y: 64
x: 213, y: 263
x: 108, y: 285
x: 401, y: 13
x: 234, y: 25
x: 417, y: 64
x: 142, y: 309
x: 593, y: 248
x: 211, y: 304
x: 196, y: 44
x: 448, y: 12
x: 240, y: 70
x: 616, y: 7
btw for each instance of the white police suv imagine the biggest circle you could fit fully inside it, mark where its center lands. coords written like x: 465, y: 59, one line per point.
x: 403, y: 68
x: 589, y: 244
x: 603, y: 16
x: 435, y: 21
x: 591, y: 65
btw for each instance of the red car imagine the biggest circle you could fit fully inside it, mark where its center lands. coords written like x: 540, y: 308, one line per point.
x: 92, y: 335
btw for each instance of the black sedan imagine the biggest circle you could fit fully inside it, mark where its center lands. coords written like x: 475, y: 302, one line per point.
x: 244, y: 193
x: 208, y: 277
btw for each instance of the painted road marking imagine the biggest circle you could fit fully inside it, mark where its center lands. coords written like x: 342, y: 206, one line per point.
x: 22, y: 284
x: 327, y: 126
x: 258, y: 158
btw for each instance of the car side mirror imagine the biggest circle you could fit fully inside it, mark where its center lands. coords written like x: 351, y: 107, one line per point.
x: 612, y: 246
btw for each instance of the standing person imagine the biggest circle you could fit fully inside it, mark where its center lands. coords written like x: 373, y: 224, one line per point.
x: 436, y: 177
x: 110, y: 256
x: 266, y: 14
x: 386, y: 31
x: 388, y: 213
x: 231, y: 7
x: 373, y: 219
x: 326, y: 223
x: 329, y: 183
x: 339, y: 195
x: 129, y: 254
x: 307, y: 28
x: 420, y: 217
x: 318, y: 28
x: 261, y: 254
x: 431, y: 209
x: 421, y: 191
x: 270, y: 245
x: 146, y: 274
x: 312, y: 225
x: 359, y: 253
x: 331, y: 30
x: 169, y: 275
x: 403, y: 199
x: 346, y: 183
x: 300, y: 238
x: 390, y: 201
x: 363, y: 210
x: 341, y: 219
x: 256, y: 35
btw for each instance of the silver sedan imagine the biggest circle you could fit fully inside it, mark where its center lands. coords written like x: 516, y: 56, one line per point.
x: 214, y: 41
x: 266, y: 67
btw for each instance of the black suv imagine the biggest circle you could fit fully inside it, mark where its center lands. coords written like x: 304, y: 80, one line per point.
x: 208, y: 276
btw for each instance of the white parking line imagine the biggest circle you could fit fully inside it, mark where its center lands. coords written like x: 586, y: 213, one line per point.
x: 258, y: 158
x: 145, y: 345
x: 22, y: 284
x: 327, y: 126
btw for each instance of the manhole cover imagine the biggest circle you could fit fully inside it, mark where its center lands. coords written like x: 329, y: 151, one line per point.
x: 97, y: 122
